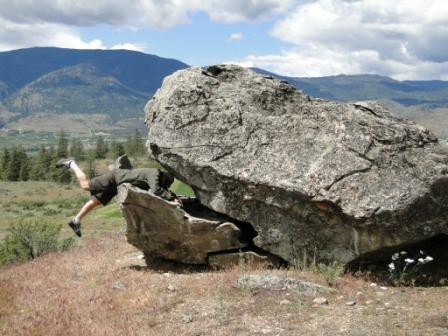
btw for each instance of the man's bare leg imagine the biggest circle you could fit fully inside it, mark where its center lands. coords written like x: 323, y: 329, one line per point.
x: 88, y: 206
x: 70, y: 163
x: 80, y: 176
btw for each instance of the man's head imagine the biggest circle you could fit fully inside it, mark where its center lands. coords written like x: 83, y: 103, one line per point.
x: 166, y: 180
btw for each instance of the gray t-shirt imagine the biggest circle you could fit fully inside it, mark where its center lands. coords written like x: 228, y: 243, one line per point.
x: 104, y: 187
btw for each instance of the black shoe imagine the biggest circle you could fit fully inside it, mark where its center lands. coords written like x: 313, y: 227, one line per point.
x: 76, y: 227
x: 64, y: 163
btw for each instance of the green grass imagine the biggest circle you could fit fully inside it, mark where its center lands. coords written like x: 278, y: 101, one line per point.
x: 53, y: 203
x: 180, y: 188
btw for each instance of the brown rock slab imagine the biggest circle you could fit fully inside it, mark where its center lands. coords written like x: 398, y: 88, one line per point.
x: 162, y: 229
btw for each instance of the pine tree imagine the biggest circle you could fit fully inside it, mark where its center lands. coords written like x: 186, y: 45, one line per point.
x: 40, y: 166
x: 60, y: 175
x: 116, y: 149
x: 62, y: 147
x: 51, y: 151
x: 53, y: 172
x: 25, y: 168
x: 101, y: 148
x: 77, y: 149
x: 64, y: 176
x: 14, y: 167
x: 134, y: 144
x: 91, y: 172
x: 4, y: 162
x: 138, y: 143
x: 130, y: 146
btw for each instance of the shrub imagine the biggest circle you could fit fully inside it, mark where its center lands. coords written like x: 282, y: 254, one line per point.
x: 28, y: 240
x: 67, y: 243
x: 32, y: 205
x: 331, y: 272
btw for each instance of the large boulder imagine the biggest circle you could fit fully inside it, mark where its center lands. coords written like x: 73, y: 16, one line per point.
x: 316, y: 179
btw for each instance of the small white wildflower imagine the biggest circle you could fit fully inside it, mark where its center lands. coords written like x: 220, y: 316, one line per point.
x: 421, y: 260
x: 395, y: 256
x: 403, y: 253
x: 421, y: 252
x: 429, y: 258
x: 391, y: 267
x: 409, y: 261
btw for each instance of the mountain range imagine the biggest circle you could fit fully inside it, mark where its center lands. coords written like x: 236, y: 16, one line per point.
x: 53, y: 88
x: 49, y: 83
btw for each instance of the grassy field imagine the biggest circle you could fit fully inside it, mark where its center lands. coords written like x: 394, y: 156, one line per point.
x: 100, y: 288
x: 57, y: 203
x: 53, y: 203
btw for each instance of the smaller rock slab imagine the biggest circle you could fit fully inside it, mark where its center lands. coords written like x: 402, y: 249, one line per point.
x: 163, y: 229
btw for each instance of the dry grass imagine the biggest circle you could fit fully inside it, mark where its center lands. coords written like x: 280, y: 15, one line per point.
x: 93, y: 290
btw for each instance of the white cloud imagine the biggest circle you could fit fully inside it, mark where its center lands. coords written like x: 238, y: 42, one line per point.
x: 17, y: 35
x: 405, y: 39
x: 241, y: 10
x: 154, y: 13
x: 236, y: 36
x: 25, y: 23
x: 129, y: 46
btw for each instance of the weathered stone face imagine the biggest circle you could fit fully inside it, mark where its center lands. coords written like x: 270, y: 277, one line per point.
x: 162, y: 229
x: 315, y: 178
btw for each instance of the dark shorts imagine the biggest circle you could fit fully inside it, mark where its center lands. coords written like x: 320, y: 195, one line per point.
x: 104, y: 187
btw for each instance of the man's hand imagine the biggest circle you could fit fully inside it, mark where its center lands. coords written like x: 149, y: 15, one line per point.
x: 177, y: 200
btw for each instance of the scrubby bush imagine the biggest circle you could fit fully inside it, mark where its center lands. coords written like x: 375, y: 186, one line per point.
x: 331, y: 272
x: 28, y: 240
x: 66, y: 243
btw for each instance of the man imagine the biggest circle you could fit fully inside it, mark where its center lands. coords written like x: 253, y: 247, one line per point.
x: 104, y: 187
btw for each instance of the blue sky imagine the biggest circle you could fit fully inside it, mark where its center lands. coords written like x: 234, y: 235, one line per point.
x: 200, y: 42
x: 403, y: 39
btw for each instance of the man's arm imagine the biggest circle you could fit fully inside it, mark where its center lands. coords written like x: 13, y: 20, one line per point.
x: 165, y: 194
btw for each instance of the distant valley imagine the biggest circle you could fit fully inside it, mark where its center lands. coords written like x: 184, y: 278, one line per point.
x: 46, y: 89
x: 53, y: 88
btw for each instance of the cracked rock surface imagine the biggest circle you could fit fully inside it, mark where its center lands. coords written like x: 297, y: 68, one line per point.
x: 162, y: 229
x: 316, y: 179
